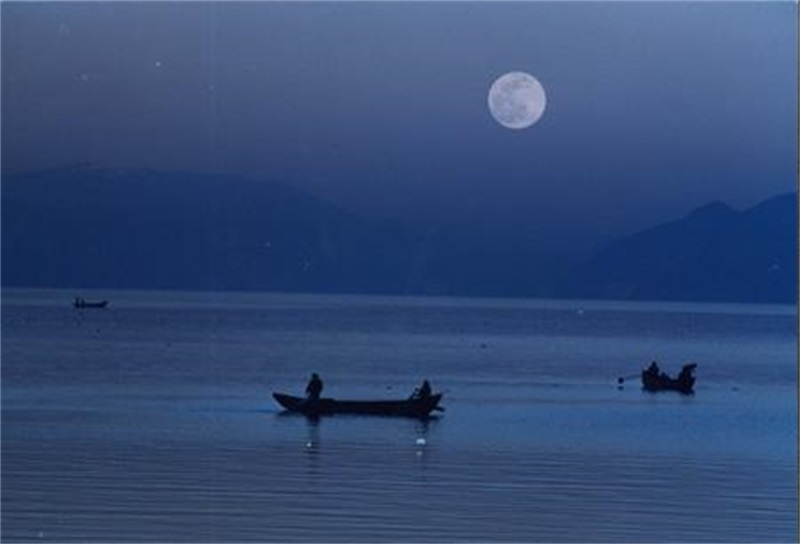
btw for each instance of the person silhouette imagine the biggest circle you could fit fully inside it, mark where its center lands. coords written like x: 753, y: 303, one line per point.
x: 314, y: 387
x: 425, y: 390
x: 686, y: 371
x: 422, y: 392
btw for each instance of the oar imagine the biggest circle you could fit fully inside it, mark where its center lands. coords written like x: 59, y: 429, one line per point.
x: 622, y: 379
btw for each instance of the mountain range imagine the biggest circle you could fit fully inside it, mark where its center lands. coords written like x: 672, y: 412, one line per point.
x: 715, y: 253
x: 101, y: 228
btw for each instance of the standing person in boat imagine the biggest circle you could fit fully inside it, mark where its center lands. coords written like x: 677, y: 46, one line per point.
x: 314, y: 387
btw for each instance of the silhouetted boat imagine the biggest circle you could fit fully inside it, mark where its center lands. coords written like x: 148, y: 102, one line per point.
x: 80, y: 304
x: 684, y: 383
x: 410, y: 407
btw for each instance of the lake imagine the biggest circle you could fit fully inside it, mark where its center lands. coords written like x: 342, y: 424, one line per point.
x: 152, y: 420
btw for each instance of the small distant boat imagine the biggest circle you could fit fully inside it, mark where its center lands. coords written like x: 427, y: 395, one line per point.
x: 414, y: 406
x: 684, y: 383
x: 80, y: 304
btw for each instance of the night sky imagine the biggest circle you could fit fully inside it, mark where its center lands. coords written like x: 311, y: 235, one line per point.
x: 653, y: 108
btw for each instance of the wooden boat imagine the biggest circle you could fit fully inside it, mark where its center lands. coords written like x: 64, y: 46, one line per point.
x: 684, y: 383
x: 80, y: 304
x: 411, y: 407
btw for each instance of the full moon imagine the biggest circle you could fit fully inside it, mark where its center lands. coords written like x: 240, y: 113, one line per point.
x: 516, y: 100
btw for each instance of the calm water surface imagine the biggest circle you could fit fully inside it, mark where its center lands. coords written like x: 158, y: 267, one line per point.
x: 152, y: 421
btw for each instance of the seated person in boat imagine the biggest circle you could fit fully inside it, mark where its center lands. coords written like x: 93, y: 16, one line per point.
x: 314, y: 387
x: 686, y: 371
x: 653, y: 370
x: 423, y: 392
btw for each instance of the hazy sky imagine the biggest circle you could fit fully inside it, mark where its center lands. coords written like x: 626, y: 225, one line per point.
x: 653, y: 108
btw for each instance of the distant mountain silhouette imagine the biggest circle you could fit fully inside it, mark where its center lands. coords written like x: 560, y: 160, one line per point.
x: 714, y: 254
x: 172, y: 230
x: 83, y: 227
x: 79, y: 226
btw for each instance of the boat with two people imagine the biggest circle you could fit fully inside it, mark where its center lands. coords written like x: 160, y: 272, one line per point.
x: 419, y: 405
x: 653, y: 379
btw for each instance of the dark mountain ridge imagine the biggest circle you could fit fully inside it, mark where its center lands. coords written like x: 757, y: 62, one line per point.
x: 85, y: 227
x: 715, y: 253
x: 167, y: 230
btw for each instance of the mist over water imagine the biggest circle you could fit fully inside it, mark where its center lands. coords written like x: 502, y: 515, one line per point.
x: 152, y: 420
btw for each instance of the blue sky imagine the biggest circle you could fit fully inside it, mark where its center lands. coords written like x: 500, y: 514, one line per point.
x: 653, y: 107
